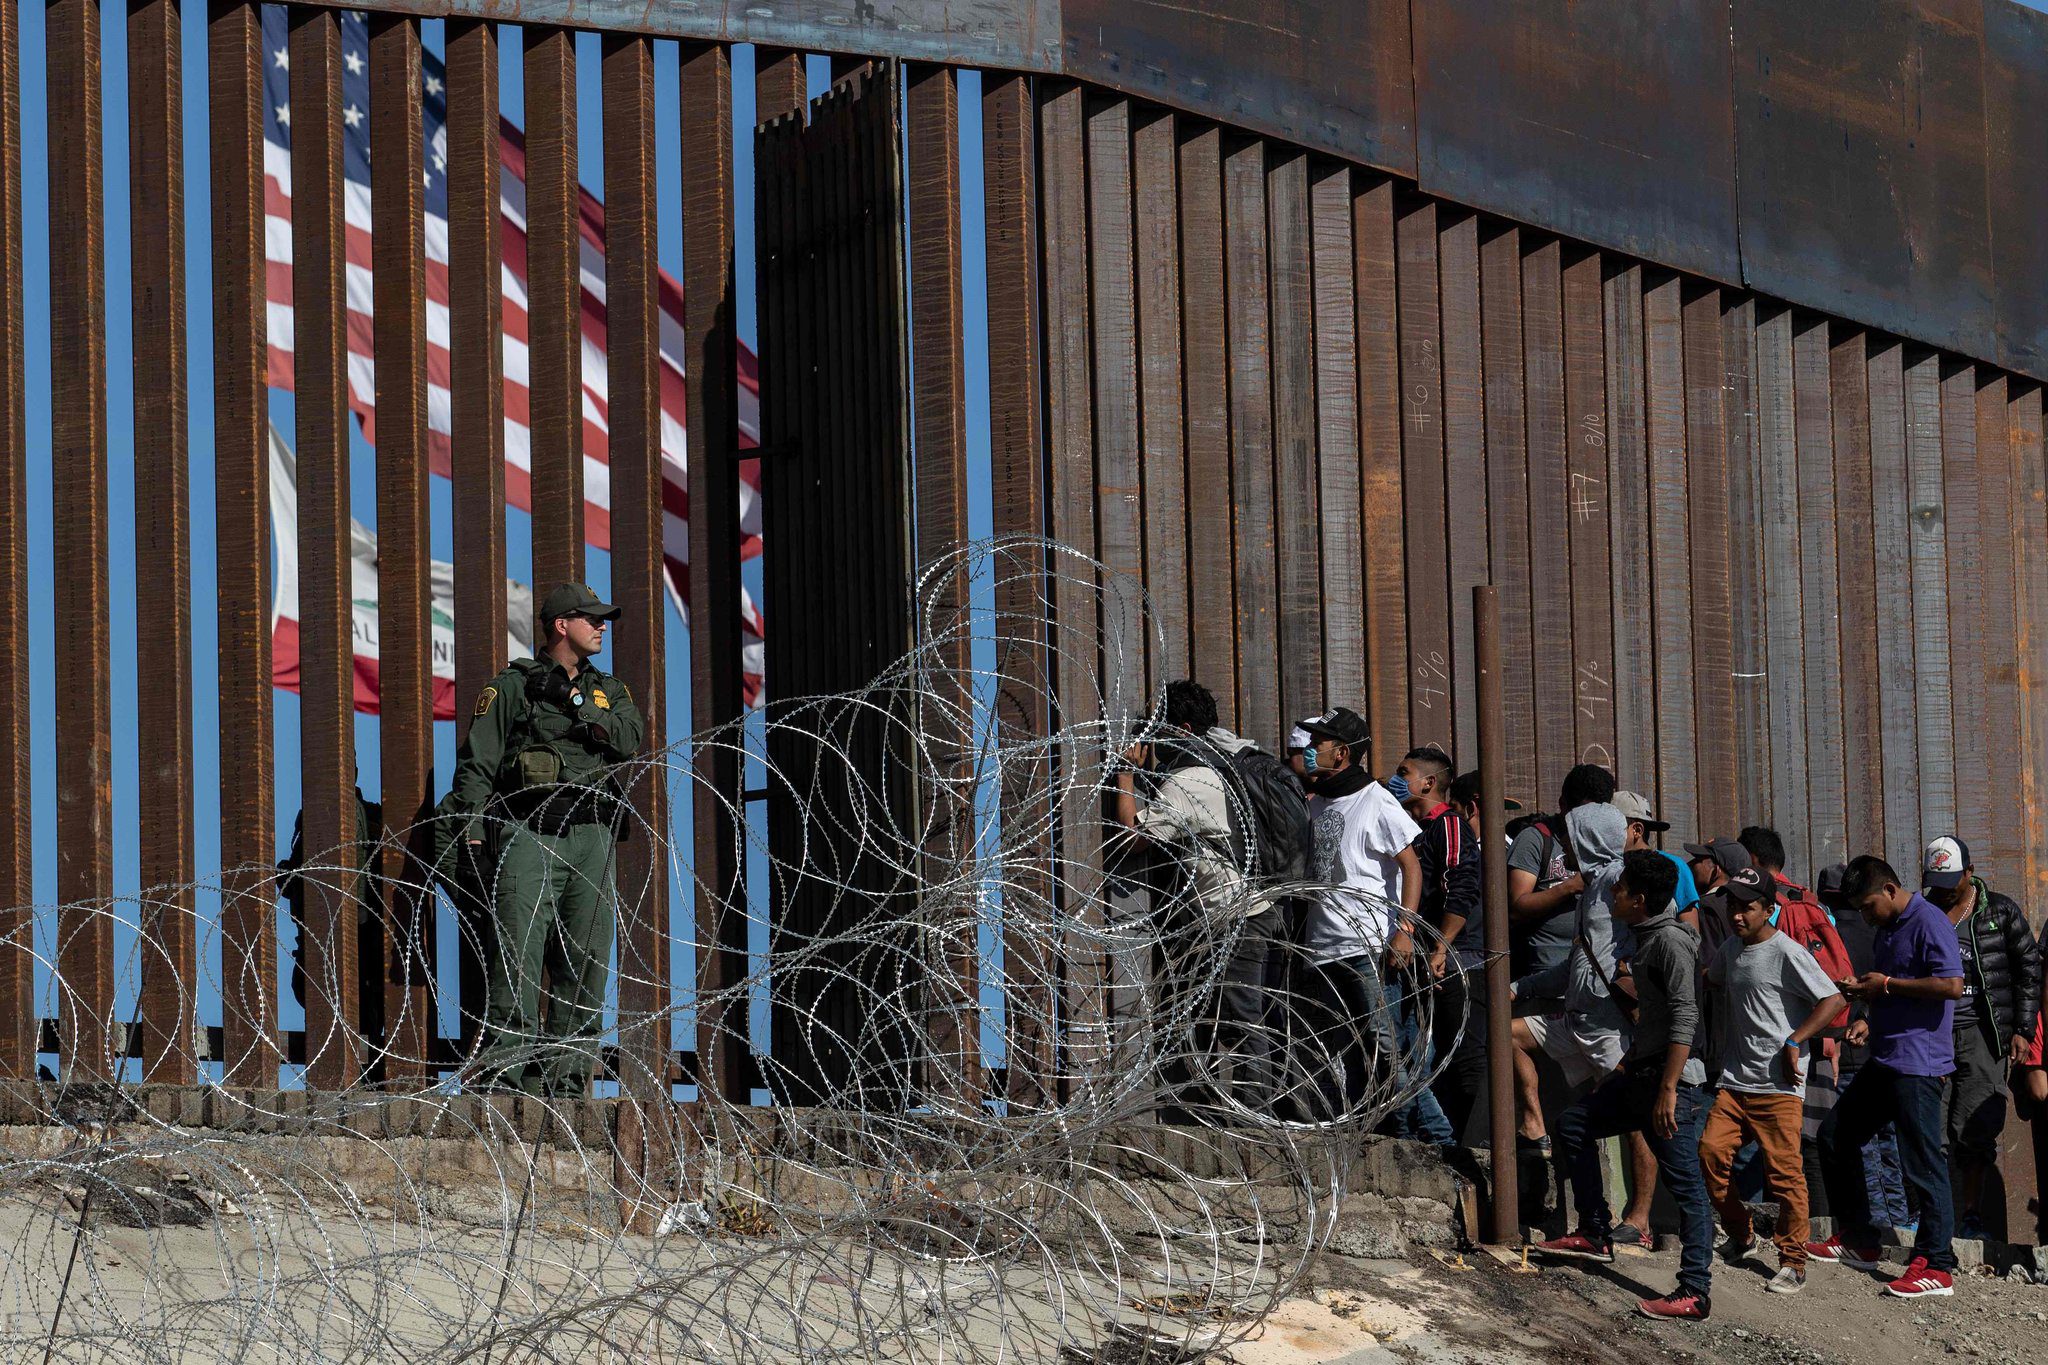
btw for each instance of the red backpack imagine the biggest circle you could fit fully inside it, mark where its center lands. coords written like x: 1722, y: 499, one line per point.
x: 1806, y: 920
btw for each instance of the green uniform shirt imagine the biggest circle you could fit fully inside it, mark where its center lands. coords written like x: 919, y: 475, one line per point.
x: 511, y: 716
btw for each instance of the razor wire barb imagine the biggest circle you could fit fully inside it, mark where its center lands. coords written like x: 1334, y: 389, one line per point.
x: 965, y: 910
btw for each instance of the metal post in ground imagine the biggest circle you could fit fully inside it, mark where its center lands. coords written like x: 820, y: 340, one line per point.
x: 1505, y: 1229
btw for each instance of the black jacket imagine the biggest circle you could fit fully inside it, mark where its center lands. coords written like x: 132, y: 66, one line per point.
x: 2006, y: 971
x: 1450, y: 877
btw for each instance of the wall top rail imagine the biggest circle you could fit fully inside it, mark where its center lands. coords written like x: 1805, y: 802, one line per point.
x: 1858, y: 157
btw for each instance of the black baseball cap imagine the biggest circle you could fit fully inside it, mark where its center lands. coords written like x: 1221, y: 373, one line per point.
x: 1829, y: 882
x: 576, y: 599
x: 1751, y: 887
x: 1731, y: 856
x: 1342, y: 724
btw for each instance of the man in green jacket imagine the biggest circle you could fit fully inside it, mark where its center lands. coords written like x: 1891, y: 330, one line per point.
x: 539, y: 811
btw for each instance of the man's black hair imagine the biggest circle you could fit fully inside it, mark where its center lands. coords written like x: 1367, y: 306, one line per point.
x: 1190, y: 706
x: 1465, y: 789
x: 1430, y: 753
x: 1651, y: 875
x: 1588, y: 784
x: 1865, y: 875
x: 1766, y: 849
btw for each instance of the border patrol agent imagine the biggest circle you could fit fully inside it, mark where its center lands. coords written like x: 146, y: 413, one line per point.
x: 539, y: 804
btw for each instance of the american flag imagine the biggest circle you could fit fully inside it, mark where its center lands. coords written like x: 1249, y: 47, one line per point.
x: 277, y: 185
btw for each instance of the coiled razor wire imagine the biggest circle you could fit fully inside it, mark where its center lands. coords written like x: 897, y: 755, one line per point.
x: 888, y: 1201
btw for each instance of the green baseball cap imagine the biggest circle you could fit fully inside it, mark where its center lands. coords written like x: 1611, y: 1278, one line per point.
x: 576, y: 599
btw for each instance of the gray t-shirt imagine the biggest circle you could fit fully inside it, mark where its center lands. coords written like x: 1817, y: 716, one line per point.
x: 1766, y: 992
x: 1544, y: 856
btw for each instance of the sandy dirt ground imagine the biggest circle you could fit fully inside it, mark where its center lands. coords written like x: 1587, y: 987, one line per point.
x: 1419, y: 1309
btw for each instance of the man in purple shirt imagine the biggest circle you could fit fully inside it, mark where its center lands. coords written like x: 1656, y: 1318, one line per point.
x: 1907, y: 1004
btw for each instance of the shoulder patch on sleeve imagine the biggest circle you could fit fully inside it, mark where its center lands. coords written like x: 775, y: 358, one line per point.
x: 484, y: 700
x: 624, y: 695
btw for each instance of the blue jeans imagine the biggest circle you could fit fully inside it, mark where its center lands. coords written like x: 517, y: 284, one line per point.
x: 1884, y: 1182
x: 1423, y: 1117
x: 1878, y: 1095
x: 1351, y: 1046
x: 1621, y: 1104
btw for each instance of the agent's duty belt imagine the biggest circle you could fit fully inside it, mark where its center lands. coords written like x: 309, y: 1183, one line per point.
x: 555, y: 811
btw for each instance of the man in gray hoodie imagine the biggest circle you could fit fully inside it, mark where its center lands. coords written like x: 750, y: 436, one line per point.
x: 1657, y: 1088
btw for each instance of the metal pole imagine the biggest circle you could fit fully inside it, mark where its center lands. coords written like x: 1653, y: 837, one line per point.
x: 1500, y: 1074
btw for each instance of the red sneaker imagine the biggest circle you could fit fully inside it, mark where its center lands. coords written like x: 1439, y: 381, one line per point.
x: 1921, y: 1282
x: 1835, y: 1252
x: 1680, y: 1306
x: 1577, y: 1248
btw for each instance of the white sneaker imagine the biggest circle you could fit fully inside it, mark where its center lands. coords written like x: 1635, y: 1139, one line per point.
x: 1790, y: 1279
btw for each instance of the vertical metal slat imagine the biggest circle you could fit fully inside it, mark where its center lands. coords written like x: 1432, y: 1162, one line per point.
x: 1507, y: 494
x: 1891, y: 533
x: 476, y: 367
x: 1862, y: 663
x: 1559, y: 676
x: 1249, y: 339
x: 1628, y: 488
x: 1465, y: 461
x: 1382, y: 428
x: 163, y: 580
x: 1669, y: 530
x: 711, y: 418
x: 1155, y: 191
x: 1819, y: 596
x: 633, y: 407
x: 78, y: 459
x: 1588, y: 510
x: 1422, y: 476
x: 1927, y: 505
x: 241, y: 512
x: 405, y: 673
x: 326, y: 647
x: 1783, y: 619
x: 1713, y: 644
x: 1342, y: 602
x: 554, y: 278
x: 1017, y: 495
x: 18, y: 1024
x: 938, y: 368
x: 1212, y: 544
x: 1297, y: 529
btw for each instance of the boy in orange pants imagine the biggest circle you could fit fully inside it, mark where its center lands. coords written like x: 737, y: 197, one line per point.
x: 1774, y: 997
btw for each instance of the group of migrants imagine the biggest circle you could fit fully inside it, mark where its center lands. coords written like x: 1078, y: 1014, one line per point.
x: 1849, y: 1049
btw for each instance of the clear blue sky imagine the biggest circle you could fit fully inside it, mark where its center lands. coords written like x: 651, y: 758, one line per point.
x: 120, y: 415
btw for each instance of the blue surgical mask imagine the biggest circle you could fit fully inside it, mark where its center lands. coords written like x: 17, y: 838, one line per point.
x: 1398, y: 785
x: 1308, y: 760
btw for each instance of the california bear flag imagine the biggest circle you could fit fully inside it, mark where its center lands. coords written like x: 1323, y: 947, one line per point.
x: 284, y: 614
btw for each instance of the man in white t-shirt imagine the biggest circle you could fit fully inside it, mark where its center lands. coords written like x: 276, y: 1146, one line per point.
x: 1203, y: 900
x: 1361, y: 923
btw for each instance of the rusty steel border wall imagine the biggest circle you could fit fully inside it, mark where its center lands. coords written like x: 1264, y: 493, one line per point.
x: 1713, y: 341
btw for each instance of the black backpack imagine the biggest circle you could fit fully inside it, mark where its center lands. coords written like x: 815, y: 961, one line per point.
x: 1279, y: 814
